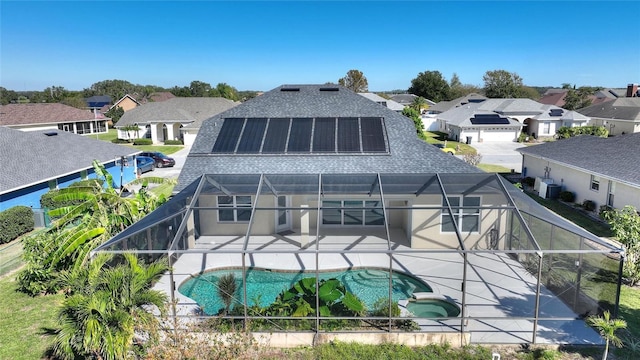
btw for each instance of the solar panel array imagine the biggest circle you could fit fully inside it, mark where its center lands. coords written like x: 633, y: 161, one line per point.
x: 489, y: 119
x: 301, y: 135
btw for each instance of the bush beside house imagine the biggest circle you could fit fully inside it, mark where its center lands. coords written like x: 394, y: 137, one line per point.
x: 14, y: 222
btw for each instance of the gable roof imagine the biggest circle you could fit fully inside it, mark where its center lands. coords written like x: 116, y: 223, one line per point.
x: 122, y: 98
x: 619, y: 109
x: 191, y: 110
x: 382, y: 101
x: 463, y: 116
x: 406, y: 153
x: 31, y: 114
x: 160, y: 96
x: 31, y: 157
x: 613, y: 157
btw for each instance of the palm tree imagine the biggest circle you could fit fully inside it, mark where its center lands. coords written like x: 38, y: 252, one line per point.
x: 105, y: 307
x: 607, y: 328
x: 418, y: 104
x: 102, y: 214
x: 227, y: 290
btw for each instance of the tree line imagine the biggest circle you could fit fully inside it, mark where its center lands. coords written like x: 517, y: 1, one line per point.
x: 116, y: 89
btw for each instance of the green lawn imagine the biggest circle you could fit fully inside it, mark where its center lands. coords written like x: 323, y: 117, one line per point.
x: 163, y: 189
x: 25, y: 321
x: 438, y: 138
x: 490, y: 168
x: 166, y: 149
x: 630, y: 309
x: 10, y: 256
x: 111, y: 135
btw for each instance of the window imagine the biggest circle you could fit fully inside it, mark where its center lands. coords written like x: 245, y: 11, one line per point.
x: 239, y: 208
x: 468, y: 219
x: 595, y: 183
x: 610, y: 195
x: 546, y: 127
x: 354, y: 212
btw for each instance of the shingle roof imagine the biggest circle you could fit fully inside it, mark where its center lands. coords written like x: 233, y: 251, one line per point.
x: 622, y: 108
x: 29, y: 114
x: 461, y: 116
x: 161, y: 96
x: 179, y: 109
x: 395, y: 106
x: 407, y: 153
x: 28, y: 157
x: 443, y: 106
x: 614, y: 157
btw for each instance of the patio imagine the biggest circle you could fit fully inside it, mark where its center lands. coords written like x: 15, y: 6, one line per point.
x: 519, y: 273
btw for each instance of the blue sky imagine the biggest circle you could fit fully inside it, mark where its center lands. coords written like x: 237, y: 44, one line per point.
x: 260, y: 45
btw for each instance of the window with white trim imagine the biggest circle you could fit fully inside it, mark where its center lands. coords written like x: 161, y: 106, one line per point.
x: 239, y: 208
x: 595, y: 183
x: 546, y: 127
x: 364, y: 212
x: 468, y: 219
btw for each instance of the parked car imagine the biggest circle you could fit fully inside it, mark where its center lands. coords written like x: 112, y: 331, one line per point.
x: 144, y: 164
x: 160, y: 159
x: 448, y: 150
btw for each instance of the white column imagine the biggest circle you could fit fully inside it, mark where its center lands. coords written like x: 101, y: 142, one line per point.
x: 170, y: 135
x: 154, y: 133
x: 304, y: 225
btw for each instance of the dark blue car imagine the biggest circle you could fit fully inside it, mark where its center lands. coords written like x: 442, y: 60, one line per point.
x: 144, y: 164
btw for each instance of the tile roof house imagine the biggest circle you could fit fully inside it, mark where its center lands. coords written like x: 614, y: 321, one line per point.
x: 603, y: 170
x: 174, y: 118
x: 503, y: 120
x: 619, y: 116
x: 384, y: 102
x: 52, y: 116
x: 35, y: 161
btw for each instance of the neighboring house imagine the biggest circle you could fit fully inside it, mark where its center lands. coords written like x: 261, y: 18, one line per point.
x: 557, y: 96
x: 443, y: 106
x: 175, y: 118
x: 397, y: 107
x: 407, y: 99
x: 603, y: 170
x: 160, y: 96
x: 52, y: 116
x: 34, y: 162
x: 619, y: 116
x: 503, y: 119
x: 127, y: 103
x: 97, y: 101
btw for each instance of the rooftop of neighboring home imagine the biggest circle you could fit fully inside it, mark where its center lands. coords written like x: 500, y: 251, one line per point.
x: 126, y: 96
x: 31, y: 157
x: 443, y: 106
x: 613, y: 157
x: 312, y: 129
x: 619, y: 109
x: 384, y: 102
x: 178, y: 109
x: 160, y: 96
x: 42, y: 113
x: 98, y: 101
x: 407, y: 99
x: 501, y: 109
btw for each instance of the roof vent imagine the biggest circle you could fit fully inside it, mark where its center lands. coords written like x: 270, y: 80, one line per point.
x: 51, y: 133
x: 329, y: 89
x: 289, y: 89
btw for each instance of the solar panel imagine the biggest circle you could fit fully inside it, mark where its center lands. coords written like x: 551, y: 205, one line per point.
x: 228, y: 137
x: 489, y: 119
x: 275, y: 140
x: 348, y: 135
x: 300, y: 136
x: 324, y: 135
x: 556, y: 112
x: 252, y: 136
x: 372, y: 135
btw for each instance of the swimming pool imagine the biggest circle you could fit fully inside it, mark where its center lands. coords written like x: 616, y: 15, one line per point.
x: 433, y: 308
x: 263, y: 286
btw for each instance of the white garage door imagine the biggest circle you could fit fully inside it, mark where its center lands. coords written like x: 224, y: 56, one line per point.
x: 498, y: 136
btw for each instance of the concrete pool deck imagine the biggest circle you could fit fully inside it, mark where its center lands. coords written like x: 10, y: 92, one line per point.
x: 500, y: 292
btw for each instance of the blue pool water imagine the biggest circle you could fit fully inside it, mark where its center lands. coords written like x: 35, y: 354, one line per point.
x: 263, y: 286
x: 433, y: 308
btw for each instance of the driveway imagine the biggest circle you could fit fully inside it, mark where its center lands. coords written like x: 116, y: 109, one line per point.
x: 174, y: 171
x: 501, y: 153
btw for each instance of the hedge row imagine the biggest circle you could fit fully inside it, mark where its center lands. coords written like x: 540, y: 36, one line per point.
x: 173, y: 142
x: 142, y: 142
x: 14, y: 222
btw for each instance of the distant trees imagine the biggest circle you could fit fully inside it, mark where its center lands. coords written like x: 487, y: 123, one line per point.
x: 502, y: 84
x: 355, y: 81
x: 202, y: 89
x: 577, y: 98
x: 430, y: 85
x: 458, y: 89
x: 115, y: 114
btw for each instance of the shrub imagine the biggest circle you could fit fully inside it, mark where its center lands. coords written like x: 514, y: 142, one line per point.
x: 589, y: 205
x: 14, y: 222
x: 523, y: 137
x: 472, y: 159
x: 142, y: 142
x: 173, y: 142
x: 120, y: 141
x: 603, y: 210
x: 567, y: 196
